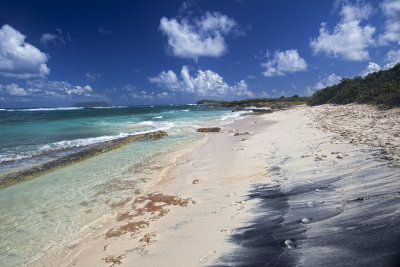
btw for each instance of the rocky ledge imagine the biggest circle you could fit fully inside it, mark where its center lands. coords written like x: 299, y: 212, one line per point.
x: 90, y: 151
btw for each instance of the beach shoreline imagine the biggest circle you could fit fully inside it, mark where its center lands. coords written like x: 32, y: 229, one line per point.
x: 279, y: 189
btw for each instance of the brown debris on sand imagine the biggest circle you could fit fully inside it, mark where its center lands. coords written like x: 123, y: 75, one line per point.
x: 148, y: 238
x: 132, y: 227
x: 113, y: 259
x: 154, y: 204
x: 360, y: 124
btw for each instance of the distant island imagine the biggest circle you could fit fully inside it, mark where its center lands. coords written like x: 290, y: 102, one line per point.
x: 90, y: 104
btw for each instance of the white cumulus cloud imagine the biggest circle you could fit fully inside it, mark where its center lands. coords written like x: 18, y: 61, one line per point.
x: 324, y: 82
x: 12, y: 90
x: 391, y: 9
x: 348, y: 40
x: 79, y: 90
x: 162, y: 95
x: 284, y: 62
x: 392, y: 57
x: 19, y: 59
x: 48, y: 38
x: 204, y: 83
x: 131, y: 91
x: 91, y: 77
x: 42, y: 87
x: 264, y: 94
x: 202, y: 37
x: 55, y: 38
x: 372, y: 67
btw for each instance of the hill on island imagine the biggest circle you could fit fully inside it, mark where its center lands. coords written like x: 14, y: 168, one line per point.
x: 378, y: 88
x: 91, y: 104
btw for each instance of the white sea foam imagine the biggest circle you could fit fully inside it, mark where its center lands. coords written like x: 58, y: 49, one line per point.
x: 233, y: 115
x: 76, y: 143
x: 119, y: 106
x: 250, y: 107
x: 45, y: 109
x: 147, y: 123
x: 158, y: 117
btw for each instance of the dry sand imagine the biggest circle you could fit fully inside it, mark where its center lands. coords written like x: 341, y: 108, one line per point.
x: 307, y: 186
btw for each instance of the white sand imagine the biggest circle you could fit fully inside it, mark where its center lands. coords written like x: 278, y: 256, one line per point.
x: 295, y: 149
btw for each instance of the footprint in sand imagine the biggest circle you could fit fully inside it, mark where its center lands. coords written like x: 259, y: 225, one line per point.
x: 227, y: 232
x: 238, y: 203
x: 290, y: 243
x: 231, y: 194
x: 310, y: 204
x: 206, y: 257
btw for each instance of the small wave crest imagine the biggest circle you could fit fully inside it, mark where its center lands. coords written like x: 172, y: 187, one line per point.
x: 157, y: 125
x: 233, y: 115
x: 68, y: 144
x: 44, y: 109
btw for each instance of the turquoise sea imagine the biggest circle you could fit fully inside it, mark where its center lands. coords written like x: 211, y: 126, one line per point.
x: 60, y: 206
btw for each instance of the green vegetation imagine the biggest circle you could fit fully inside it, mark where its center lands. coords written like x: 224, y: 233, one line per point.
x: 296, y: 100
x: 378, y: 88
x: 91, y: 104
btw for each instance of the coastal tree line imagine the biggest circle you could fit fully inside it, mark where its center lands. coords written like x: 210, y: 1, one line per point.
x: 378, y: 88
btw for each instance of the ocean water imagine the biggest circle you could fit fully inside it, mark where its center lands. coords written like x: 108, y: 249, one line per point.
x: 55, y: 208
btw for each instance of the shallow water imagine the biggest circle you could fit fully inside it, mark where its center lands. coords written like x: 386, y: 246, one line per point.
x: 55, y: 208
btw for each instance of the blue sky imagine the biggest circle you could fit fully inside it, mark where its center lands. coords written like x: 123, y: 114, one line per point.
x: 56, y: 53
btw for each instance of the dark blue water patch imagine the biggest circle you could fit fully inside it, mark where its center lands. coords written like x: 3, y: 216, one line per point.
x: 15, y: 116
x: 25, y: 130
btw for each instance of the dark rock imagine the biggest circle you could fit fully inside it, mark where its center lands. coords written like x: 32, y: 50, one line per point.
x: 260, y: 111
x: 238, y: 109
x: 206, y: 130
x: 237, y: 134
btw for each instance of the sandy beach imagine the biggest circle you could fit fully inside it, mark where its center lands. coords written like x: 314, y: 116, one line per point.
x: 308, y: 186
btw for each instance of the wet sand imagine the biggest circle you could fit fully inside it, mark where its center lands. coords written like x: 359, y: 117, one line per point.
x: 301, y: 187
